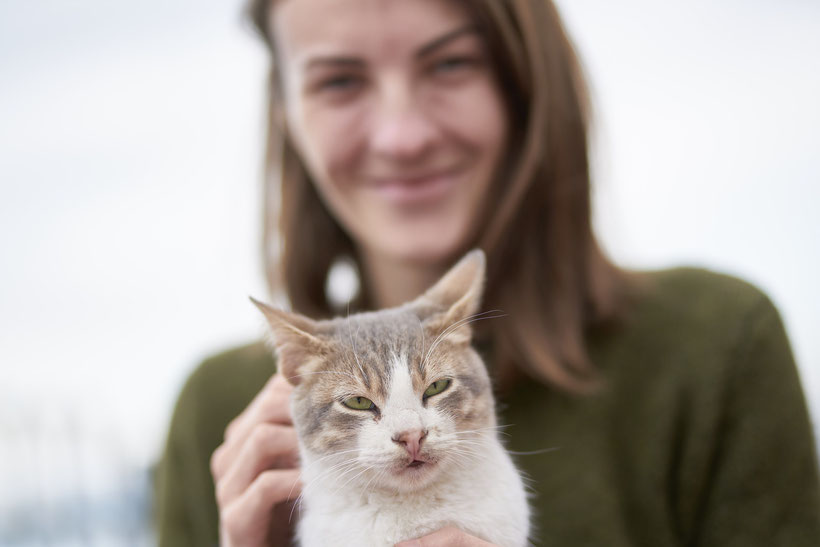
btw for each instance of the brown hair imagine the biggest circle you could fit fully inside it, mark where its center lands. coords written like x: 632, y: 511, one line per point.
x: 545, y: 267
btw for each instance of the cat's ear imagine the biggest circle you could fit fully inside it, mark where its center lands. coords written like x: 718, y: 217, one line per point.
x: 455, y: 298
x: 295, y: 340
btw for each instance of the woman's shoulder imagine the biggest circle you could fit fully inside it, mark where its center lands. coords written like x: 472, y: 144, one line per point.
x: 222, y: 384
x: 704, y: 366
x: 698, y: 301
x: 704, y: 345
x: 701, y: 287
x: 235, y: 364
x: 695, y: 324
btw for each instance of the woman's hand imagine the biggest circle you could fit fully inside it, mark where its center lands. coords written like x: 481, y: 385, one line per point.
x: 256, y: 471
x: 446, y: 537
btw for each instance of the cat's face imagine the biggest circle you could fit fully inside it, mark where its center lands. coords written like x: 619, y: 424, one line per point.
x: 391, y: 402
x: 392, y: 398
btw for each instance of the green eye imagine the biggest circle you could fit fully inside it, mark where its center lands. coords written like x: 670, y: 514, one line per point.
x: 359, y: 403
x: 437, y: 387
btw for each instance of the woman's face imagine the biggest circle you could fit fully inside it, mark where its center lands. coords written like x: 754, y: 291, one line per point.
x: 395, y: 110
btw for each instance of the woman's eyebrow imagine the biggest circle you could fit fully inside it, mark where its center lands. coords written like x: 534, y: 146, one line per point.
x: 336, y: 61
x: 444, y: 39
x: 355, y: 62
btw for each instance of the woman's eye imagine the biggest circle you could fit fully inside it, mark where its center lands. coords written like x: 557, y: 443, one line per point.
x: 452, y: 65
x: 359, y: 403
x: 339, y: 83
x: 436, y: 387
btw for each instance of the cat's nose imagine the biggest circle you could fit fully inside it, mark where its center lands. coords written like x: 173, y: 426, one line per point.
x: 411, y: 441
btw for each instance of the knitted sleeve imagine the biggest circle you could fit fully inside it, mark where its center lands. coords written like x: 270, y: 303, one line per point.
x: 186, y: 513
x: 217, y: 391
x: 764, y: 488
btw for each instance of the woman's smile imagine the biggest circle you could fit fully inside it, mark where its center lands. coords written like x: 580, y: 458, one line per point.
x: 418, y: 190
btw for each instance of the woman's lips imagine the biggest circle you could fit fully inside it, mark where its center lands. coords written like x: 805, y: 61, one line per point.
x: 417, y: 190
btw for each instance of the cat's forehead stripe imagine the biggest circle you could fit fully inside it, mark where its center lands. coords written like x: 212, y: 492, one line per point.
x: 402, y: 391
x: 369, y: 343
x: 399, y: 369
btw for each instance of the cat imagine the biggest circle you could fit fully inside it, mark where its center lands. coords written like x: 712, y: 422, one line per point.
x: 396, y: 422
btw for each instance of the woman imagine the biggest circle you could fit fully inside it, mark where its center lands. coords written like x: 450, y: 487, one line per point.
x: 405, y: 133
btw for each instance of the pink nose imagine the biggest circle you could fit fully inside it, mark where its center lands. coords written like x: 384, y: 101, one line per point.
x: 411, y: 441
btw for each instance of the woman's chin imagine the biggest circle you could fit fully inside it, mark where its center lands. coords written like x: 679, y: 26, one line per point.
x: 436, y: 249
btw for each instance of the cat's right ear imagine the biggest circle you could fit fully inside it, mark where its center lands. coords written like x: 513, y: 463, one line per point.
x: 455, y: 298
x: 295, y: 340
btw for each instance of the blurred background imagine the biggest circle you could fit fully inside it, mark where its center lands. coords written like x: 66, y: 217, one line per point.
x: 130, y: 169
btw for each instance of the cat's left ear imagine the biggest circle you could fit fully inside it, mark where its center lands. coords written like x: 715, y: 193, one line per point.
x: 294, y: 336
x: 455, y: 298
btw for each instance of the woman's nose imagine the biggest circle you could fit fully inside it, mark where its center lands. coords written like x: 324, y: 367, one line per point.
x: 401, y: 126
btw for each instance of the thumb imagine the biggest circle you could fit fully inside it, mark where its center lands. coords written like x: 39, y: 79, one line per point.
x: 446, y: 537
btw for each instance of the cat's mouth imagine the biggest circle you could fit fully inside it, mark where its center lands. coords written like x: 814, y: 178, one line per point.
x: 417, y: 465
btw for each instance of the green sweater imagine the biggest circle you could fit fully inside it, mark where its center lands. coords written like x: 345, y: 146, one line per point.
x: 700, y: 436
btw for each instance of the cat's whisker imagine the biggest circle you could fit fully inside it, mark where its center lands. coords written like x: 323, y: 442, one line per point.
x: 343, y: 467
x: 500, y: 427
x: 469, y: 452
x: 353, y: 345
x: 465, y: 458
x: 459, y: 443
x: 334, y: 454
x: 363, y: 470
x: 467, y: 444
x: 534, y: 452
x: 298, y: 500
x: 497, y: 428
x: 421, y: 328
x: 333, y: 468
x: 328, y: 456
x: 329, y: 471
x: 467, y: 447
x: 471, y: 319
x: 465, y: 461
x: 446, y: 332
x: 377, y: 477
x: 349, y: 480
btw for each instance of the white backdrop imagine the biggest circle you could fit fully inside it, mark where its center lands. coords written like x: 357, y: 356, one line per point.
x: 130, y: 161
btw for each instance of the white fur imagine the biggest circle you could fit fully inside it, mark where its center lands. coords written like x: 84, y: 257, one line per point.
x: 482, y: 495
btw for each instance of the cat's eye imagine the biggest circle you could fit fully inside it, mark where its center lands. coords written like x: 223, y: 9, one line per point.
x: 359, y: 403
x: 437, y: 387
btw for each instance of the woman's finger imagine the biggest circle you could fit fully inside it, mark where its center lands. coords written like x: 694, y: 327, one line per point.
x: 271, y: 404
x: 249, y: 516
x: 268, y: 446
x: 446, y: 537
